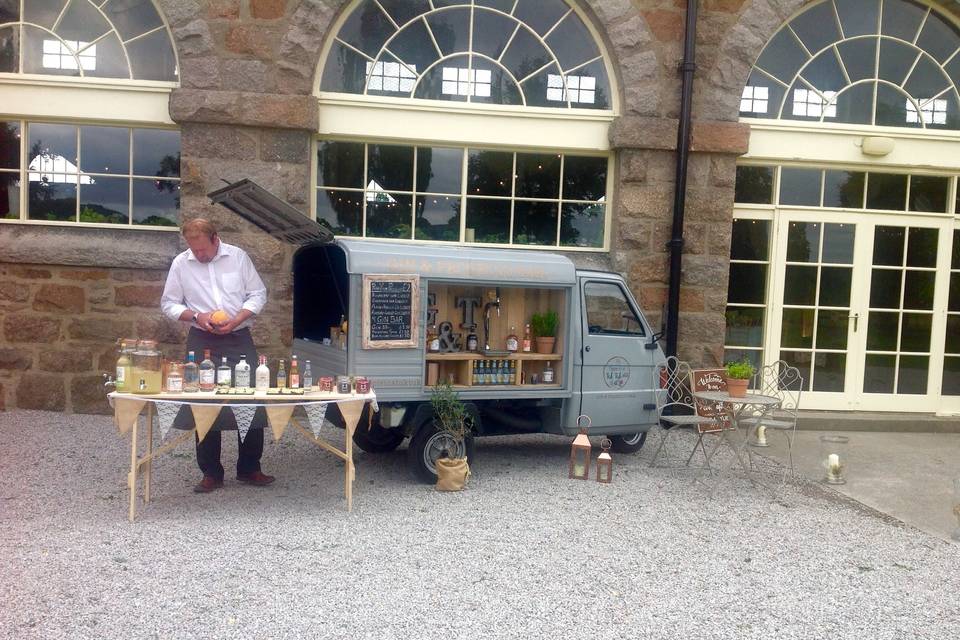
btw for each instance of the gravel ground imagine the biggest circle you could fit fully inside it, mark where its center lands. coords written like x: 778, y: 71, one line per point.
x: 523, y: 553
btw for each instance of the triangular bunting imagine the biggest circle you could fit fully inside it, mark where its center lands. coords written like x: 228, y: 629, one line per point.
x: 126, y: 413
x: 204, y: 415
x: 315, y: 415
x: 351, y: 414
x: 279, y: 417
x: 244, y: 414
x: 166, y: 412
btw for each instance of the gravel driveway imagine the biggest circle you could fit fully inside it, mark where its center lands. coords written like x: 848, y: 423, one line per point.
x: 523, y: 553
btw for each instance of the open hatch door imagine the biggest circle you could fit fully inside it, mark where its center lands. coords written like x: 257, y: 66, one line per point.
x: 268, y: 212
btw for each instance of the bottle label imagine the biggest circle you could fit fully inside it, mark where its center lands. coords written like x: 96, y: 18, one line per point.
x: 206, y: 376
x: 223, y: 377
x: 294, y: 381
x: 121, y: 371
x: 548, y: 375
x: 526, y: 345
x: 175, y: 384
x: 512, y: 343
x: 435, y: 344
x: 243, y: 378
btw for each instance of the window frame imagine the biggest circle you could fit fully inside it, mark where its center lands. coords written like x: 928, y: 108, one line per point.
x: 609, y: 187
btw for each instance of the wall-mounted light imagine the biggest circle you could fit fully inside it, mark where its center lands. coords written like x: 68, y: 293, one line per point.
x: 876, y: 145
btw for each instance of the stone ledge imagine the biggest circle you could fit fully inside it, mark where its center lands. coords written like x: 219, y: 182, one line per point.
x: 707, y: 136
x: 87, y: 246
x: 242, y: 108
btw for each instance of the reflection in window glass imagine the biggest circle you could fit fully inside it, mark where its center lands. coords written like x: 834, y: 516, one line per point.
x: 538, y: 175
x: 951, y: 377
x: 754, y: 185
x: 744, y: 326
x: 582, y: 225
x: 609, y: 312
x: 341, y: 210
x: 829, y: 370
x: 886, y: 191
x: 885, y: 288
x: 156, y: 202
x: 835, y: 286
x: 156, y: 152
x: 490, y: 173
x: 800, y: 186
x: 340, y: 164
x: 750, y: 240
x: 105, y: 200
x: 439, y: 169
x: 105, y: 149
x: 389, y: 167
x: 9, y: 195
x: 929, y: 193
x: 10, y: 145
x: 888, y: 246
x: 922, y: 247
x: 535, y: 223
x: 488, y: 220
x: 800, y: 285
x: 803, y: 241
x: 747, y: 283
x: 389, y: 215
x: 838, y: 243
x: 796, y: 330
x: 438, y: 218
x: 843, y: 189
x: 53, y: 199
x: 584, y: 178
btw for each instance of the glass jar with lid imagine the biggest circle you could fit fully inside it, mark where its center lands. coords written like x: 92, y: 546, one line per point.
x: 147, y: 375
x: 125, y: 365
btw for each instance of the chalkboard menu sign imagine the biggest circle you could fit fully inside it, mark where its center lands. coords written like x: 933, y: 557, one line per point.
x: 711, y: 380
x: 390, y: 311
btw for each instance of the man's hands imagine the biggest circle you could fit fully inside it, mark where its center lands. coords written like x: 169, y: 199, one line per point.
x: 225, y: 327
x: 205, y: 322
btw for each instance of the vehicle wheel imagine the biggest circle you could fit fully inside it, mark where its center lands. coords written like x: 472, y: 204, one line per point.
x: 427, y: 444
x: 630, y: 443
x: 376, y: 439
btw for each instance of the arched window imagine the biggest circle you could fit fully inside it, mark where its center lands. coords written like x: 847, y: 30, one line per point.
x: 112, y: 39
x: 466, y: 121
x: 86, y: 137
x: 872, y: 62
x: 514, y: 52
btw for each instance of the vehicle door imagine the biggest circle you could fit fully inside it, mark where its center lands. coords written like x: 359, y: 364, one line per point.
x: 615, y: 381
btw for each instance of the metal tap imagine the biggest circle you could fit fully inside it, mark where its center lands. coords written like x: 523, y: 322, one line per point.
x: 108, y: 381
x: 486, y: 319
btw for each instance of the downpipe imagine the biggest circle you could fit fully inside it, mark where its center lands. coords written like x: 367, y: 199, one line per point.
x: 687, y: 68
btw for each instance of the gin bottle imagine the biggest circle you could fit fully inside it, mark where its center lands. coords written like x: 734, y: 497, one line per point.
x: 241, y: 373
x: 224, y: 373
x: 281, y: 376
x: 263, y: 375
x: 208, y: 372
x: 191, y: 374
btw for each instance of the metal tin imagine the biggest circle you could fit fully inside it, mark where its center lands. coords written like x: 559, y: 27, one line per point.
x: 326, y: 383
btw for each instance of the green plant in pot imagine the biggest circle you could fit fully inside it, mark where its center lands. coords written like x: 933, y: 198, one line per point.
x: 454, y: 425
x: 544, y: 326
x: 739, y: 374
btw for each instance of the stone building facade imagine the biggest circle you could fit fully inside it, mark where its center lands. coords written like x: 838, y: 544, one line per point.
x: 246, y: 108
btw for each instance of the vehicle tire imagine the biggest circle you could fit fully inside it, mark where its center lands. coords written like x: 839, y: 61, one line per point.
x: 630, y: 443
x: 426, y: 446
x: 376, y: 439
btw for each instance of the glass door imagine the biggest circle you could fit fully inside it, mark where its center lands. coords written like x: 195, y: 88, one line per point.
x: 814, y: 326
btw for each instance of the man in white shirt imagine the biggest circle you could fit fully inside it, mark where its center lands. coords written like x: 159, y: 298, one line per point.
x: 212, y: 275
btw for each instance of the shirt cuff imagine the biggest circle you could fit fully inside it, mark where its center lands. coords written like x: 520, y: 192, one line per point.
x: 174, y: 311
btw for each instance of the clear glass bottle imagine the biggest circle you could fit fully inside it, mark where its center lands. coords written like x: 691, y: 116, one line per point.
x: 307, y: 376
x: 147, y: 374
x: 124, y: 377
x: 263, y: 375
x: 281, y: 376
x: 191, y: 374
x: 513, y: 343
x: 294, y: 376
x: 208, y: 373
x: 527, y: 340
x: 548, y: 374
x: 175, y: 378
x: 473, y: 343
x: 433, y: 339
x: 224, y: 374
x: 513, y: 372
x: 241, y: 373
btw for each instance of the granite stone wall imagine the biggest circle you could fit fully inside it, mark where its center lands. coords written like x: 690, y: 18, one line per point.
x: 245, y: 107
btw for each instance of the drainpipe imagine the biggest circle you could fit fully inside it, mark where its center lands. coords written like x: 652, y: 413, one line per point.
x: 687, y: 68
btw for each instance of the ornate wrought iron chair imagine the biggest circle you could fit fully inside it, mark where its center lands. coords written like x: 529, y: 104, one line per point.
x: 782, y: 381
x: 677, y: 408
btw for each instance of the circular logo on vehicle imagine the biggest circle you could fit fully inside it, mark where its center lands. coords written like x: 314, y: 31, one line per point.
x: 616, y: 372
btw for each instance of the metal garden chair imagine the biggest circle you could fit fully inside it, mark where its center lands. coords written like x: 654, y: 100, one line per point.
x: 677, y: 408
x: 782, y: 381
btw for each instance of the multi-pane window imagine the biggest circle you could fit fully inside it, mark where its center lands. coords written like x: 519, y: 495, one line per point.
x: 89, y: 38
x: 873, y: 62
x: 951, y: 350
x: 390, y: 77
x: 458, y: 194
x: 747, y: 290
x: 89, y: 173
x: 518, y: 52
x: 754, y: 99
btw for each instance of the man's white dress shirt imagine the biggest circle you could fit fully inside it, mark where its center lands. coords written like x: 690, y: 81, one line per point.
x: 229, y: 282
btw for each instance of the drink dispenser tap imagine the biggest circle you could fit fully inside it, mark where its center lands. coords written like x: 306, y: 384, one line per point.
x: 486, y: 317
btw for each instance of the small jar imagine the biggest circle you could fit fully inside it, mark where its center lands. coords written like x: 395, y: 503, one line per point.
x: 147, y: 375
x: 326, y: 383
x: 363, y: 385
x: 548, y: 374
x: 343, y: 385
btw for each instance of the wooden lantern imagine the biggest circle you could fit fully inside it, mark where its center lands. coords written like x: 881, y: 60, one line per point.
x: 580, y: 451
x: 605, y: 463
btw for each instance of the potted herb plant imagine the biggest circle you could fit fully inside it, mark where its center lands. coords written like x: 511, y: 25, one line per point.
x: 738, y: 377
x: 454, y: 425
x: 544, y: 326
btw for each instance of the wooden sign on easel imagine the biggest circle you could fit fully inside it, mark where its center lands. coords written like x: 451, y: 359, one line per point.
x: 710, y: 380
x: 390, y: 311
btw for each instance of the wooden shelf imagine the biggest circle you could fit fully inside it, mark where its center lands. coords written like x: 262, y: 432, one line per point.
x: 508, y: 387
x: 470, y: 355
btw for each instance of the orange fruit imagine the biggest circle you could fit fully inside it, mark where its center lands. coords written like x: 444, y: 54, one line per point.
x: 219, y: 317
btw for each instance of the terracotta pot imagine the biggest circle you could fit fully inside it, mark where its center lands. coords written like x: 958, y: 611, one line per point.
x: 545, y: 345
x: 737, y: 387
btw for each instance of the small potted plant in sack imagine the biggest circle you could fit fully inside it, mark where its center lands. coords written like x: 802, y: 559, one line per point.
x: 455, y: 424
x: 738, y: 377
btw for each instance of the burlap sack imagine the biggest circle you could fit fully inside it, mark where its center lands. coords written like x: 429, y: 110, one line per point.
x: 452, y: 474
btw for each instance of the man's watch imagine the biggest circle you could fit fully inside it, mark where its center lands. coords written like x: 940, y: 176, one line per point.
x: 195, y: 316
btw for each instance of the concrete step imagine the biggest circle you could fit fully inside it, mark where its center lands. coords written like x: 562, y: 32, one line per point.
x: 877, y: 421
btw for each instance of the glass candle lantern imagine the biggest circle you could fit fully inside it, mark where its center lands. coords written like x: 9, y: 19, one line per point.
x: 759, y: 437
x: 834, y: 458
x: 605, y: 463
x: 580, y: 451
